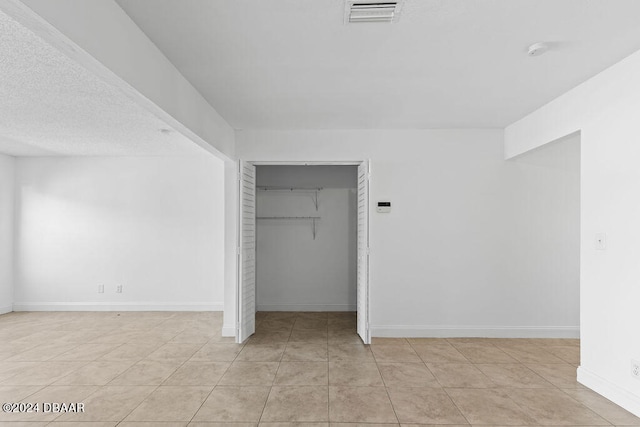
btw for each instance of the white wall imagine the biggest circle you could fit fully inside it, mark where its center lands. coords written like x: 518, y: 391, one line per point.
x: 543, y: 258
x: 154, y: 225
x: 605, y: 111
x: 294, y: 271
x: 442, y: 263
x: 6, y: 232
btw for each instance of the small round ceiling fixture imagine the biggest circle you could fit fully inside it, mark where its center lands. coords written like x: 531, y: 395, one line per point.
x: 537, y: 49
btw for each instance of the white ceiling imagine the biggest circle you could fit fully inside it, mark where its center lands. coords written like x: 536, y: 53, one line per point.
x: 291, y: 64
x: 49, y: 105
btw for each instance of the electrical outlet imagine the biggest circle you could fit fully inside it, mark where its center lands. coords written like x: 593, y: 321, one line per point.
x: 635, y: 369
x: 119, y: 289
x: 101, y: 289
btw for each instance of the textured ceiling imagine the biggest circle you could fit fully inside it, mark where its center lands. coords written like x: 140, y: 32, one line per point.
x: 291, y: 64
x: 49, y: 105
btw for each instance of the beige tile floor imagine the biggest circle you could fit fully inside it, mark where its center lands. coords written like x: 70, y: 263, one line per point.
x: 174, y: 369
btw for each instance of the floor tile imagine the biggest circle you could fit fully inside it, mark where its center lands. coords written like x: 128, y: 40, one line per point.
x: 407, y: 375
x: 10, y: 369
x: 95, y: 373
x: 302, y: 373
x: 302, y: 424
x: 354, y: 374
x: 86, y: 352
x: 569, y: 353
x: 269, y: 337
x: 305, y: 352
x: 389, y: 341
x: 146, y: 372
x: 350, y: 353
x: 484, y: 353
x: 309, y: 335
x: 43, y: 373
x: 427, y: 341
x: 310, y: 323
x: 277, y: 325
x: 513, y: 376
x: 217, y: 352
x: 424, y: 405
x: 151, y: 424
x: 459, y: 375
x: 490, y: 407
x: 42, y: 352
x: 49, y: 394
x: 297, y: 404
x: 344, y: 336
x: 261, y: 353
x: 16, y: 393
x: 554, y: 407
x: 220, y: 424
x: 561, y: 375
x: 604, y: 407
x: 110, y: 403
x: 233, y: 404
x: 131, y: 351
x: 392, y: 353
x: 56, y: 423
x: 360, y: 404
x: 174, y: 351
x: 371, y: 425
x: 531, y: 354
x: 171, y: 403
x: 250, y: 373
x: 439, y: 353
x: 494, y: 381
x: 198, y: 373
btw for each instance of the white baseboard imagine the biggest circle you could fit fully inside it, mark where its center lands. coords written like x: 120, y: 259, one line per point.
x: 117, y: 306
x: 6, y: 309
x: 425, y: 331
x: 613, y: 392
x: 306, y: 307
x: 228, y: 331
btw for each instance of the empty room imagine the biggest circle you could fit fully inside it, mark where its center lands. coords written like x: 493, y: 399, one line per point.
x: 323, y: 213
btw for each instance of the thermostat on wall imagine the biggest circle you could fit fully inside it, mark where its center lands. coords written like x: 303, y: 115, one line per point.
x: 384, y: 207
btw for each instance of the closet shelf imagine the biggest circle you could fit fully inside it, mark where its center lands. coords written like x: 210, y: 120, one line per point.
x: 312, y: 218
x: 314, y: 190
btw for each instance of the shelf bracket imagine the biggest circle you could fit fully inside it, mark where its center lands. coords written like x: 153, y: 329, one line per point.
x: 314, y: 228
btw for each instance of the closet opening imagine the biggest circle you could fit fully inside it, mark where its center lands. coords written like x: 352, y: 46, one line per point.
x: 304, y: 251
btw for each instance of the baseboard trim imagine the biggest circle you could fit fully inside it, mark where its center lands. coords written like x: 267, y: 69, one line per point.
x: 425, y: 331
x: 611, y: 391
x: 116, y: 306
x: 228, y: 331
x: 306, y: 307
x: 6, y: 309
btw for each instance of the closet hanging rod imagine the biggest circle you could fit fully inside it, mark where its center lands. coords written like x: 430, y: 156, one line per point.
x: 312, y: 218
x: 288, y: 217
x: 275, y: 188
x: 314, y: 190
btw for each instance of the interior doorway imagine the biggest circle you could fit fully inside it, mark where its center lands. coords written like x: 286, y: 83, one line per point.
x: 304, y: 240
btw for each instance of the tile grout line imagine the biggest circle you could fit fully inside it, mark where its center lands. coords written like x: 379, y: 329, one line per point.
x: 214, y: 386
x: 159, y: 385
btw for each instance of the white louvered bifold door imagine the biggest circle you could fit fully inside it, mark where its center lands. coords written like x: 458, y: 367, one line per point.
x: 363, y: 252
x: 247, y: 251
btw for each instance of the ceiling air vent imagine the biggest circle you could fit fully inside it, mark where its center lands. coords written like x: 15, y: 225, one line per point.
x: 371, y: 11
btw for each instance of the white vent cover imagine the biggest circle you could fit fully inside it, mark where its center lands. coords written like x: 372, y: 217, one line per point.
x: 371, y: 11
